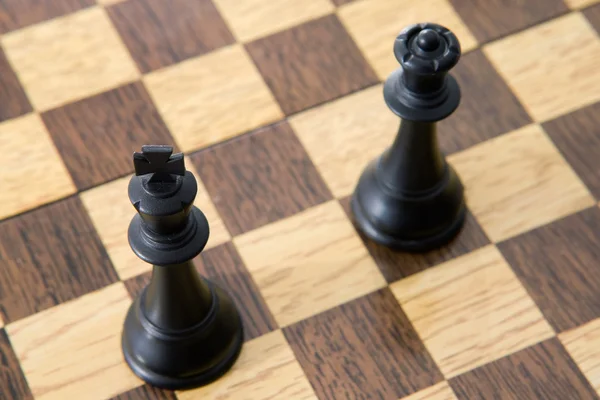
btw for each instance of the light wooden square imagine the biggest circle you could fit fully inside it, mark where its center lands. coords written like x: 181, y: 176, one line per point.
x: 374, y: 24
x: 519, y: 181
x: 579, y: 4
x: 441, y: 391
x: 32, y: 172
x: 583, y: 344
x: 552, y: 67
x: 213, y: 97
x: 112, y: 222
x: 309, y: 263
x: 266, y: 369
x: 73, y: 351
x: 252, y: 19
x: 343, y: 136
x: 108, y: 2
x: 471, y: 311
x: 69, y: 58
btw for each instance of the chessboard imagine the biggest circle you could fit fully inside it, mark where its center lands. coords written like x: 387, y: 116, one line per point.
x: 277, y: 106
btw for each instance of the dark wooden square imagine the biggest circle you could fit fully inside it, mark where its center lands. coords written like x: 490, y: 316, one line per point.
x: 558, y: 265
x: 488, y: 107
x: 223, y: 266
x: 311, y: 63
x: 146, y: 392
x: 159, y: 33
x: 395, y: 265
x: 17, y: 14
x: 260, y: 178
x: 543, y: 371
x: 136, y: 284
x: 13, y: 384
x: 50, y: 256
x: 12, y: 95
x: 577, y: 136
x: 366, y: 348
x: 491, y: 19
x: 97, y: 136
x: 592, y: 13
x: 341, y: 2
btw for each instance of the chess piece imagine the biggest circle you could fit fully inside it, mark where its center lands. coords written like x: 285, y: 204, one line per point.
x: 410, y: 198
x: 182, y: 331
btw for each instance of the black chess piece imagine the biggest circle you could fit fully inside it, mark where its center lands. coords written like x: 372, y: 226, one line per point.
x: 182, y: 331
x: 410, y: 198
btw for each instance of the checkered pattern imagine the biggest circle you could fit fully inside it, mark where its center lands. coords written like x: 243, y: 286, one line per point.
x: 277, y: 105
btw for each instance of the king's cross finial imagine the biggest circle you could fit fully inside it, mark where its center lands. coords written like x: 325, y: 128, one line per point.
x: 159, y: 161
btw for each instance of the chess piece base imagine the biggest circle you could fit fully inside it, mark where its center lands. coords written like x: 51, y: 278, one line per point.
x: 408, y: 222
x: 179, y: 360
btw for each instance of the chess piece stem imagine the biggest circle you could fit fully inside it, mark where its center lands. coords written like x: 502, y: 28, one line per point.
x: 427, y: 168
x: 182, y: 330
x: 410, y: 198
x: 170, y: 290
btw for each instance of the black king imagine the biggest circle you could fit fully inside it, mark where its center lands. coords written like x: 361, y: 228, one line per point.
x: 182, y: 331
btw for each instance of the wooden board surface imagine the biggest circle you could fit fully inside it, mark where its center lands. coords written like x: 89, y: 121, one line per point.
x: 278, y: 106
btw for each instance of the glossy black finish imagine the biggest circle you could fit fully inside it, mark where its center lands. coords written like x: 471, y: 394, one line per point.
x: 182, y: 331
x: 410, y: 198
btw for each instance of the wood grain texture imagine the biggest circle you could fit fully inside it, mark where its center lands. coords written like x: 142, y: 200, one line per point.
x: 527, y: 62
x: 543, y: 371
x: 74, y: 351
x: 311, y: 63
x: 260, y: 178
x: 592, y: 14
x: 136, y: 284
x: 557, y: 263
x: 299, y: 271
x: 517, y: 182
x: 50, y: 256
x: 492, y: 19
x: 341, y: 2
x: 583, y: 345
x: 13, y: 384
x: 69, y: 58
x: 577, y: 136
x: 488, y: 108
x: 252, y: 19
x: 308, y: 263
x: 439, y: 391
x: 265, y: 370
x: 396, y: 265
x: 471, y: 311
x: 146, y: 392
x: 112, y: 224
x: 159, y: 33
x: 365, y: 348
x: 579, y: 4
x: 12, y: 96
x: 218, y: 231
x: 344, y: 135
x: 42, y: 179
x: 212, y: 98
x: 17, y: 14
x: 374, y: 25
x: 224, y: 267
x: 97, y: 136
